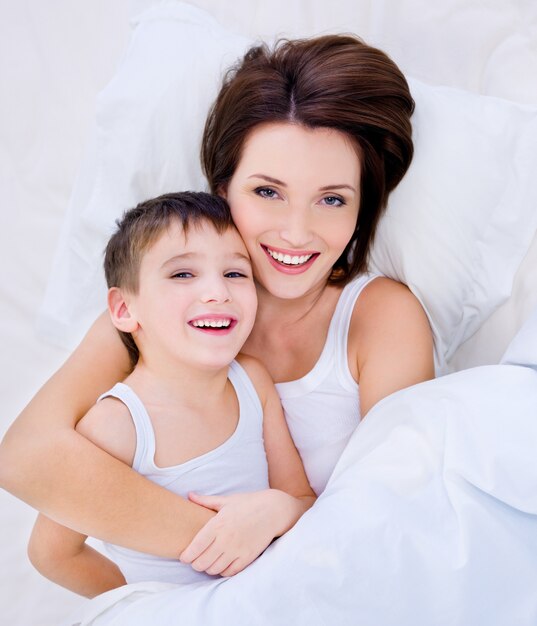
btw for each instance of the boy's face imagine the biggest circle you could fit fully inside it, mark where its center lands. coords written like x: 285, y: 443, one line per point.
x: 196, y: 301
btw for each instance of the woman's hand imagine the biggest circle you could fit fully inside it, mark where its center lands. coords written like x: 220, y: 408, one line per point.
x: 243, y: 527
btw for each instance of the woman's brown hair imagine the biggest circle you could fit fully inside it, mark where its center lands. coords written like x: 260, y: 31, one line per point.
x: 334, y: 81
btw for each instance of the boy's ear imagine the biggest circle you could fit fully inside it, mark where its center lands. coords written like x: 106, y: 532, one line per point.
x: 119, y: 311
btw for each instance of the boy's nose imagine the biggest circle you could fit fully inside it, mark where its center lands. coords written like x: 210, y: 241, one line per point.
x: 216, y: 290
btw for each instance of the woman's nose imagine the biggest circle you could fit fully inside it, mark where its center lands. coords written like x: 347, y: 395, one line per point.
x: 297, y: 227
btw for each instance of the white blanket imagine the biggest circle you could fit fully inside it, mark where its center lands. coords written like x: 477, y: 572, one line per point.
x: 430, y: 518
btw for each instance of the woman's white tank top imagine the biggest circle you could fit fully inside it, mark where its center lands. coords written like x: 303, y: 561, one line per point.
x: 238, y: 465
x: 323, y: 407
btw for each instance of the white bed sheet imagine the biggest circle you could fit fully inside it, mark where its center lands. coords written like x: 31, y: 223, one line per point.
x: 56, y: 56
x: 429, y: 518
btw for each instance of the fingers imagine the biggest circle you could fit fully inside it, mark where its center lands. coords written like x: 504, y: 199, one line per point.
x: 210, y: 502
x: 234, y: 567
x: 213, y: 561
x: 221, y: 564
x: 201, y: 542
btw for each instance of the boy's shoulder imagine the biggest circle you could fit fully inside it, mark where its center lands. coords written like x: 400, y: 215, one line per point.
x: 253, y: 367
x: 258, y: 374
x: 108, y: 424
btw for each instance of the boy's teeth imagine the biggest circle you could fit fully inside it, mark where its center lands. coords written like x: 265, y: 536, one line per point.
x: 288, y: 259
x: 211, y: 323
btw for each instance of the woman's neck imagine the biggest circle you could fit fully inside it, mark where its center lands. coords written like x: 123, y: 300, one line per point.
x: 289, y: 335
x: 286, y: 312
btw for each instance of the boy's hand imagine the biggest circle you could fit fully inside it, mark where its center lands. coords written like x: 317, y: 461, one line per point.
x: 243, y: 527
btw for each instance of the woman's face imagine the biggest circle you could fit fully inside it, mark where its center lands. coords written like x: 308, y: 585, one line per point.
x: 295, y: 197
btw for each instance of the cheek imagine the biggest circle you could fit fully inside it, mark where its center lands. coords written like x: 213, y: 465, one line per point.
x: 338, y: 233
x: 250, y: 300
x: 247, y: 221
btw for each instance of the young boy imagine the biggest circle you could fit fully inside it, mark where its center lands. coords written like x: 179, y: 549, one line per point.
x: 189, y: 417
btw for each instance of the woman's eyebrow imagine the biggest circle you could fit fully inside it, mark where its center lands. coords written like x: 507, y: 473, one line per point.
x: 269, y: 179
x: 341, y: 186
x: 275, y: 181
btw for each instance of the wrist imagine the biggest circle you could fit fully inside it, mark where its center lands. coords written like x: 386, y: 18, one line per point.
x: 287, y: 510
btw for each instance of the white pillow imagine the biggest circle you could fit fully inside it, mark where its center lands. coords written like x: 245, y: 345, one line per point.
x: 455, y: 231
x: 523, y: 348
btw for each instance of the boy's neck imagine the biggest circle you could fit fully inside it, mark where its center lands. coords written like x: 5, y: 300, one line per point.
x: 177, y: 384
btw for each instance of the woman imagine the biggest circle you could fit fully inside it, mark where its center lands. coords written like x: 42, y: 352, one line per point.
x: 305, y: 142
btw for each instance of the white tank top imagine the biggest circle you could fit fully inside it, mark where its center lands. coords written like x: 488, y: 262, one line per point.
x: 323, y: 407
x: 238, y: 465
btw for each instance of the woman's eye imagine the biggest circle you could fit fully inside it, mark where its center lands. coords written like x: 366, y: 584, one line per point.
x: 183, y: 275
x: 333, y: 201
x: 266, y: 192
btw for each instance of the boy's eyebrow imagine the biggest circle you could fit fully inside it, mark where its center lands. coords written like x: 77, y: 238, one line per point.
x: 179, y: 257
x: 244, y: 257
x: 192, y: 255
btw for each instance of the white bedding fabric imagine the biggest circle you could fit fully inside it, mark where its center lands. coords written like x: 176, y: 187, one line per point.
x: 429, y: 518
x: 56, y: 56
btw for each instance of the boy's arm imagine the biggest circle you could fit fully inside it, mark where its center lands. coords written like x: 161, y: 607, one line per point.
x: 286, y: 470
x: 61, y: 555
x: 246, y: 523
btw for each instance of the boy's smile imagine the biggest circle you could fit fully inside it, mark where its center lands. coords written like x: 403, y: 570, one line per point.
x: 221, y: 324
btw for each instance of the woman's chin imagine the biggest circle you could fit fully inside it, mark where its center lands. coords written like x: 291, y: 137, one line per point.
x: 291, y: 287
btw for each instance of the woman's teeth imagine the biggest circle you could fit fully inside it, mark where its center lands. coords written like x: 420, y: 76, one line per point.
x: 287, y: 259
x: 211, y: 323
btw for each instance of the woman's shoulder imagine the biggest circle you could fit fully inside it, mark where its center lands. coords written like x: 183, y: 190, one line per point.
x: 385, y: 298
x: 390, y: 339
x: 385, y: 313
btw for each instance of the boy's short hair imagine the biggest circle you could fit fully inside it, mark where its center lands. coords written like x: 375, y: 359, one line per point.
x: 141, y: 226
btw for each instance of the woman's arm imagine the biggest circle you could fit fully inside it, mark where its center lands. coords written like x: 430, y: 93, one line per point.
x: 44, y: 462
x: 390, y: 341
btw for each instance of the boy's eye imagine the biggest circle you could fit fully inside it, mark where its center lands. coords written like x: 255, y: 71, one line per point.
x: 183, y: 275
x: 235, y: 275
x: 266, y: 192
x: 333, y: 201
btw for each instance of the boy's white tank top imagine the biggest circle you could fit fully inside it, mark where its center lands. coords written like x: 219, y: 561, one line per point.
x: 323, y: 407
x: 238, y: 465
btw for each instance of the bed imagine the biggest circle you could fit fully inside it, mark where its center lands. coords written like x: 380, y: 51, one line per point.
x: 68, y: 71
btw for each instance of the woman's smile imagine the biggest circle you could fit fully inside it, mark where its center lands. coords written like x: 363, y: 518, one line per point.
x: 290, y: 261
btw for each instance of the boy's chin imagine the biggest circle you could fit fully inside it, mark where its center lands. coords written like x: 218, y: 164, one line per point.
x: 214, y: 361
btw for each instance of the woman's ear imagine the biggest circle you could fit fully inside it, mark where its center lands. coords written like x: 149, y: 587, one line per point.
x: 221, y: 191
x: 120, y: 312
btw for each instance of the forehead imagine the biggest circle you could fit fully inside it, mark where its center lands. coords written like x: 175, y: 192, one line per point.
x: 292, y: 149
x: 199, y: 238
